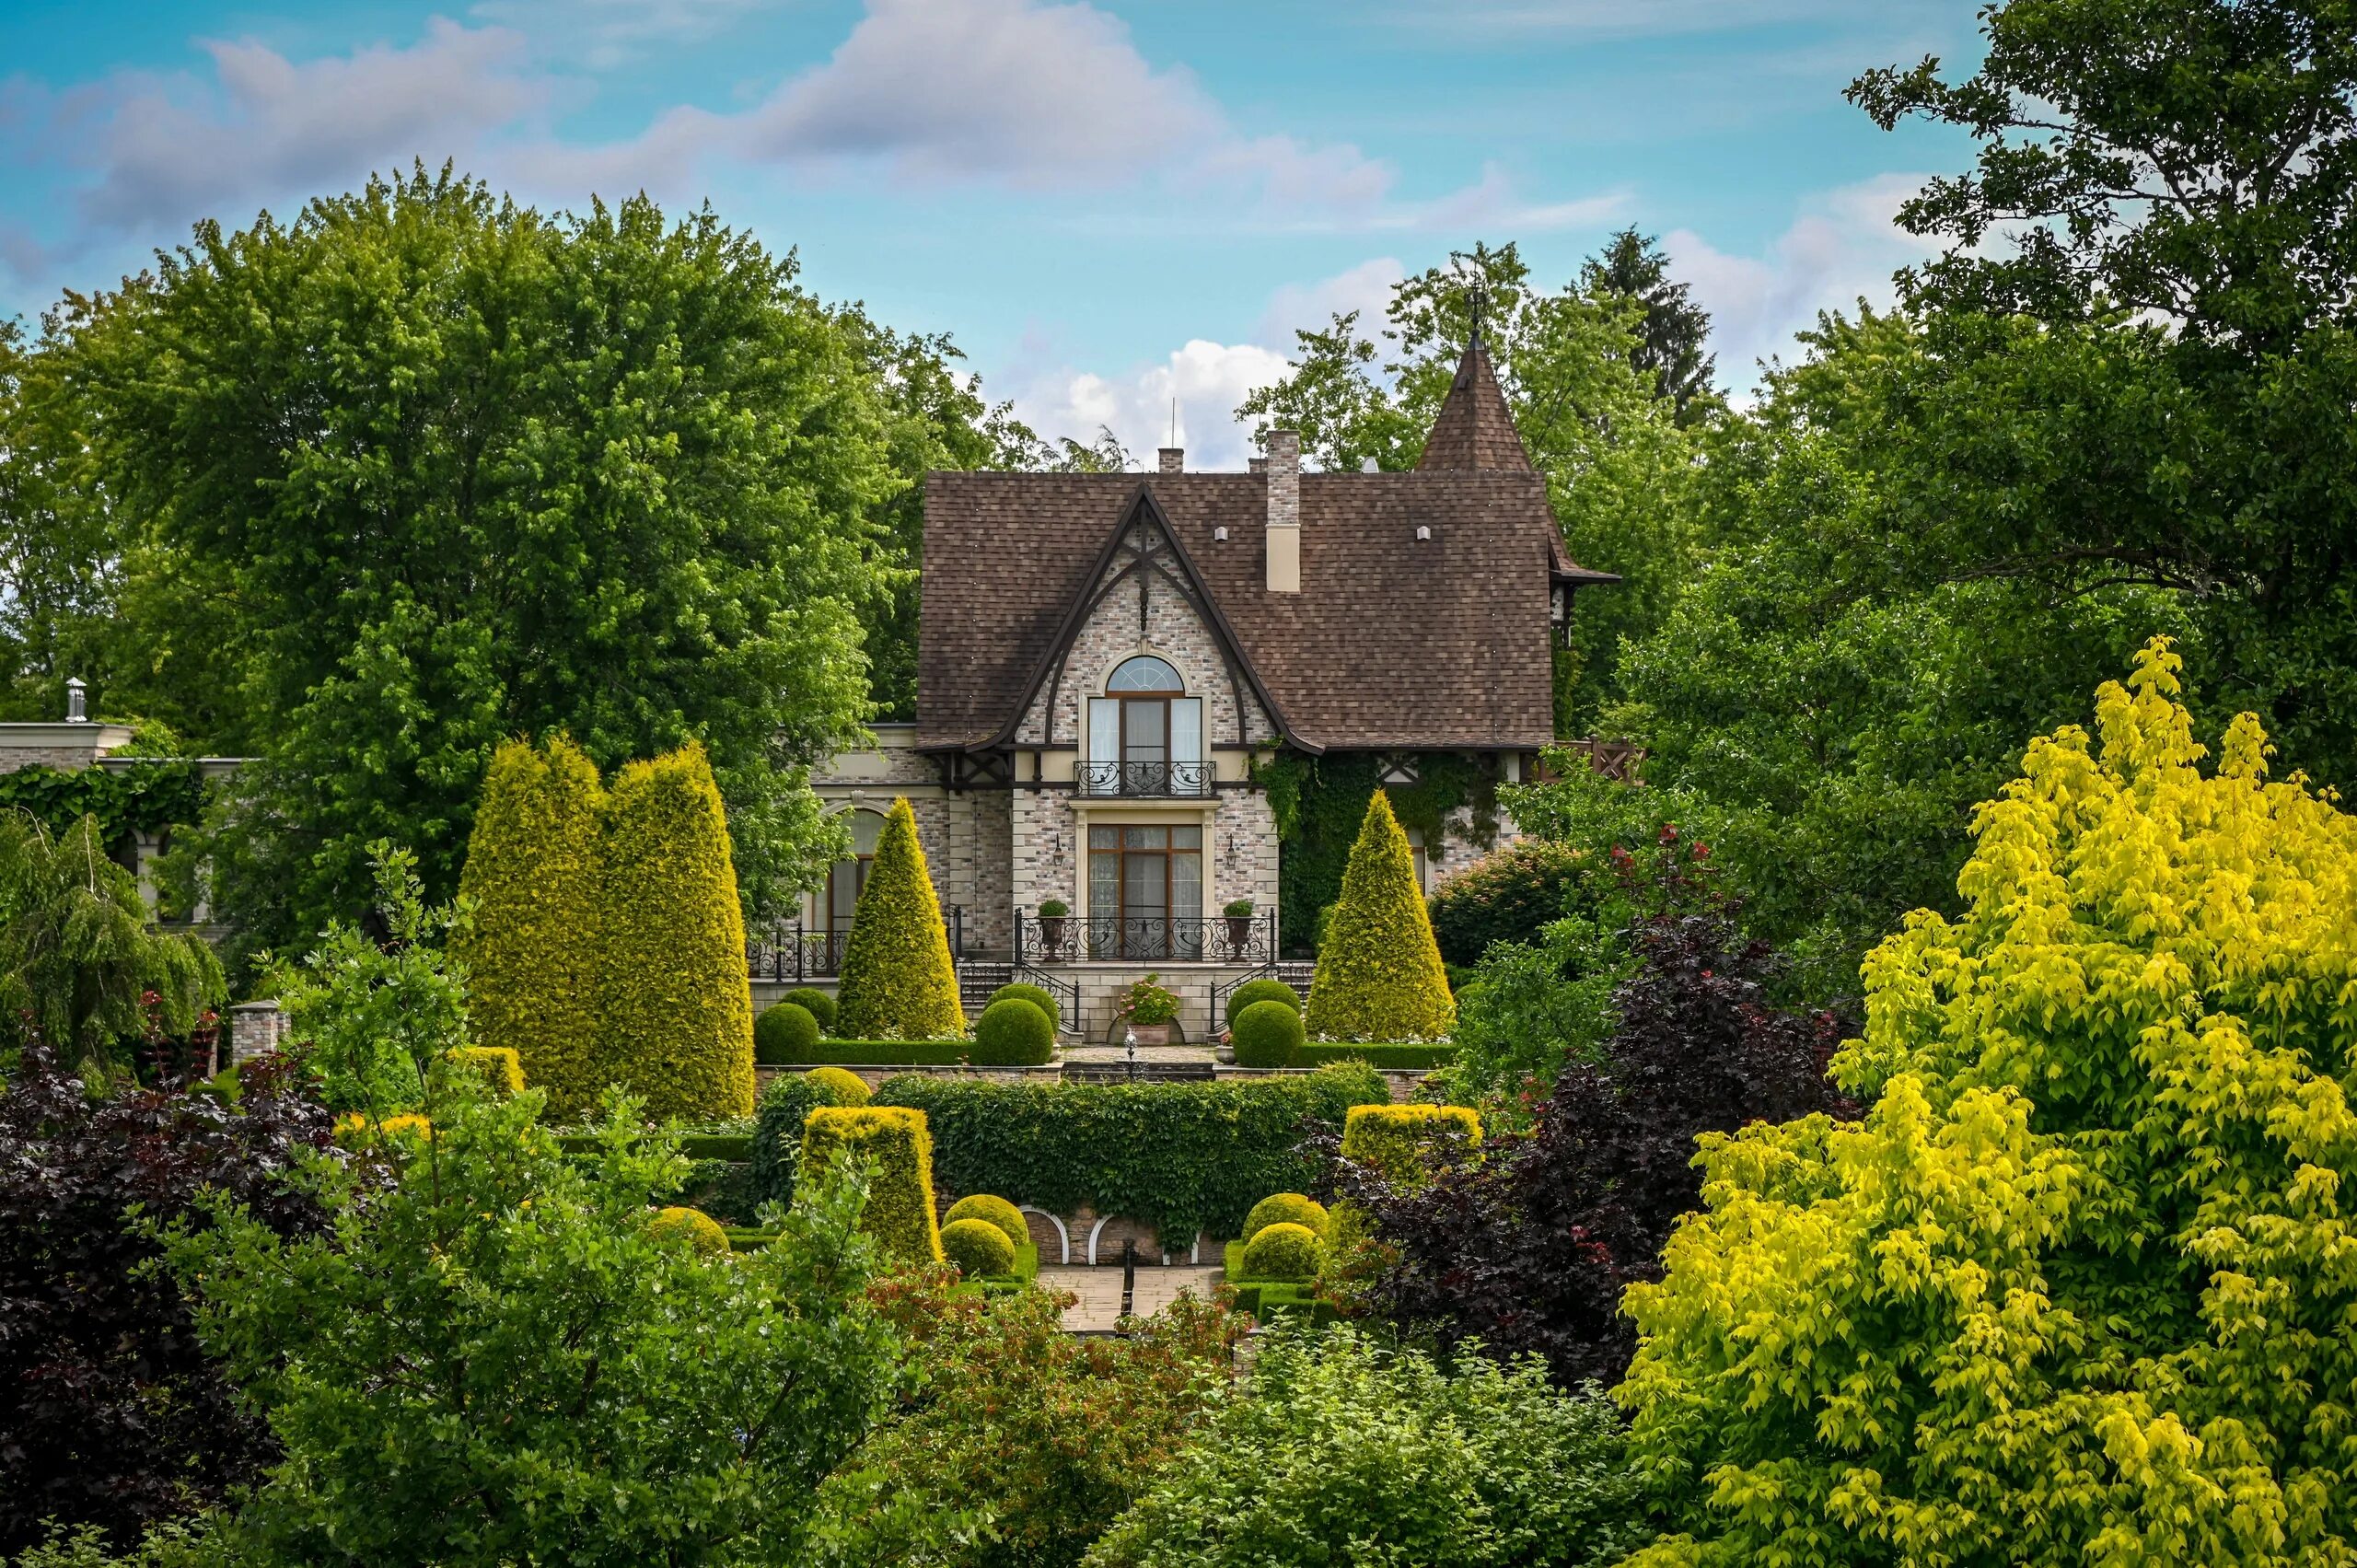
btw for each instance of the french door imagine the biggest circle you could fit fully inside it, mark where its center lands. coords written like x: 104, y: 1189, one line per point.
x: 1146, y: 892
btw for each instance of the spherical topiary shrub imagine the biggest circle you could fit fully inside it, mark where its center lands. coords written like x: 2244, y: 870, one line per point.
x: 1266, y: 1034
x: 697, y: 1229
x: 1285, y: 1208
x: 843, y: 1087
x: 787, y: 1032
x: 1253, y: 991
x: 1038, y: 996
x: 978, y: 1248
x: 998, y: 1211
x: 1013, y: 1033
x: 821, y: 1006
x: 1282, y: 1251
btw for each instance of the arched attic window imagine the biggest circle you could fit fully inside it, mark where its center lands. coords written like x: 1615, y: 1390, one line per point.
x: 1145, y: 736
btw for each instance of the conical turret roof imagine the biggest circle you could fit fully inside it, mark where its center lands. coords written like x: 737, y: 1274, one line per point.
x: 1475, y: 429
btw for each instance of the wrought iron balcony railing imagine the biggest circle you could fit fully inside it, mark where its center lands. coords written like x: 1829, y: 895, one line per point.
x: 1180, y: 940
x: 792, y: 950
x: 1145, y: 778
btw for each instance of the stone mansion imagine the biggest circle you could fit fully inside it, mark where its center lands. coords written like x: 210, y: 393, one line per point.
x: 1104, y: 659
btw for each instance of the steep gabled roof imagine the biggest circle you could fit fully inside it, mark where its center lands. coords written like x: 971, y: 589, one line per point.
x: 1474, y: 429
x: 1392, y: 642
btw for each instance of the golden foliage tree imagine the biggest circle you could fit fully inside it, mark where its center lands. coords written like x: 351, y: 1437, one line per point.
x: 2077, y: 1288
x: 898, y: 981
x: 678, y: 1009
x: 533, y: 870
x: 1379, y: 974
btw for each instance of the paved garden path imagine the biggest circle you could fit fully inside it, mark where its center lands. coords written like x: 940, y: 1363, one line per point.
x: 1099, y: 1307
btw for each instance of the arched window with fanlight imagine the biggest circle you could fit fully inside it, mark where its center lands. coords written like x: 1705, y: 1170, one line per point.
x: 1145, y: 734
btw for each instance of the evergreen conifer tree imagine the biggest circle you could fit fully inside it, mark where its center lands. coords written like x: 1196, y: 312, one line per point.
x: 1379, y: 974
x: 679, y: 1013
x: 534, y: 865
x: 898, y: 980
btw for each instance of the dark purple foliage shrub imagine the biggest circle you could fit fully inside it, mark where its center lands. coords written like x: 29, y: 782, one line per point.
x: 1529, y: 1248
x: 110, y: 1411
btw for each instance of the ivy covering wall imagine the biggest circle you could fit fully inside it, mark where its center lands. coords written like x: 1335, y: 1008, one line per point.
x: 146, y: 798
x: 1320, y: 802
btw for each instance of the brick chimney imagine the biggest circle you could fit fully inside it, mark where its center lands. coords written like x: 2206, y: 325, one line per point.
x: 1283, y: 449
x: 1174, y: 459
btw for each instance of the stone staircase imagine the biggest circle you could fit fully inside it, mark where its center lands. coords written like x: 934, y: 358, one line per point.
x: 977, y: 978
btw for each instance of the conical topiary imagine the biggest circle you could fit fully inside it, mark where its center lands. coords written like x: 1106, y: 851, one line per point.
x: 898, y: 982
x: 679, y: 1012
x: 531, y: 953
x: 1379, y: 974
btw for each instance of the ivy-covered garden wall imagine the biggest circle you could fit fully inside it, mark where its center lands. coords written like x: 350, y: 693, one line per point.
x: 146, y: 798
x: 1319, y: 802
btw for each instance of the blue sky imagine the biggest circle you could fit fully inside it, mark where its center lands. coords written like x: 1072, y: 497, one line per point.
x: 1108, y: 204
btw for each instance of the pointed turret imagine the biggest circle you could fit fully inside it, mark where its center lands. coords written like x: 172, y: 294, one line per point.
x: 1475, y: 429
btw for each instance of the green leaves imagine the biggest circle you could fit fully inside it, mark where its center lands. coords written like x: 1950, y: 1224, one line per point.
x: 499, y: 1360
x: 448, y: 470
x: 2072, y: 1290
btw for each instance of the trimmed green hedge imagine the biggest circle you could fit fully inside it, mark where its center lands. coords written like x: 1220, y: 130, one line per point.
x: 1318, y: 1053
x: 816, y: 1003
x: 1182, y: 1157
x: 1263, y: 990
x: 898, y: 1143
x: 1266, y: 1034
x: 1013, y: 1031
x: 978, y: 1248
x: 890, y: 1052
x: 777, y: 1126
x: 785, y: 1032
x: 1282, y: 1251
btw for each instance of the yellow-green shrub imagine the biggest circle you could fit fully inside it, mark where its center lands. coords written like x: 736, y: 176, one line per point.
x: 1285, y: 1208
x: 495, y: 1065
x: 978, y: 1248
x: 2076, y: 1287
x: 898, y: 981
x: 843, y: 1087
x: 1406, y: 1142
x: 899, y: 1193
x: 1379, y: 974
x: 678, y: 1009
x: 998, y: 1211
x: 692, y: 1227
x: 532, y: 950
x: 1282, y: 1251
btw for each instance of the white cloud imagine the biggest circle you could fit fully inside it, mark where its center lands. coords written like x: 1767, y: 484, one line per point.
x: 1844, y: 245
x: 1639, y: 18
x: 168, y: 148
x: 1005, y: 89
x: 1365, y: 288
x: 1208, y: 379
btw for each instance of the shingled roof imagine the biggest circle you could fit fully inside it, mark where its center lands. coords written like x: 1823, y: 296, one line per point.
x: 1392, y: 642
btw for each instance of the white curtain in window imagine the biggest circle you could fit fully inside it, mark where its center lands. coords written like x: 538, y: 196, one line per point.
x: 1105, y: 743
x: 1186, y: 729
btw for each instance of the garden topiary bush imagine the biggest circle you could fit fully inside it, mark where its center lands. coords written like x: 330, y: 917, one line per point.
x: 777, y: 1126
x: 978, y: 1248
x: 535, y: 865
x: 1039, y: 996
x: 899, y: 1144
x: 1282, y: 1251
x: 1408, y: 1143
x: 1263, y: 990
x: 842, y: 1085
x: 1013, y: 1033
x: 898, y: 981
x: 821, y: 1006
x: 1379, y: 974
x: 678, y: 1010
x: 494, y: 1067
x: 692, y: 1227
x: 1284, y: 1208
x: 997, y: 1211
x: 1505, y: 896
x: 785, y: 1032
x: 1266, y: 1034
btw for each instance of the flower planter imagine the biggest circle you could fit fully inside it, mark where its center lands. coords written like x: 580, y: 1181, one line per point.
x: 1239, y: 933
x: 1051, y: 937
